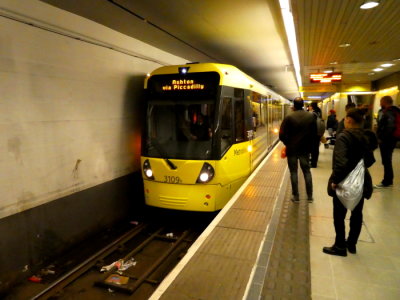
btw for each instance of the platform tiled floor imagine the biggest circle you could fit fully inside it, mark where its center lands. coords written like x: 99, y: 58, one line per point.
x: 225, y: 256
x: 288, y: 274
x: 372, y: 273
x: 292, y: 246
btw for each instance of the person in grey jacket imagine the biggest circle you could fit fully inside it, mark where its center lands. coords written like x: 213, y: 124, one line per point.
x: 298, y: 132
x: 352, y: 144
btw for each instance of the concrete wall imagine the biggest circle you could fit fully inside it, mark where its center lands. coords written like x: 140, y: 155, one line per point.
x: 69, y: 109
x: 69, y: 122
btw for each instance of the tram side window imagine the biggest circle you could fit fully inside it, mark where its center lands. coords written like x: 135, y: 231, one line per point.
x: 226, y: 123
x: 239, y: 121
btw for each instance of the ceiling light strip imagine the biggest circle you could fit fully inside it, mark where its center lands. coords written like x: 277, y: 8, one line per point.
x: 291, y: 36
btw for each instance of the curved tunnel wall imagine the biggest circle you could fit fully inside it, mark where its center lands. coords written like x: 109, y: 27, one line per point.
x: 70, y: 120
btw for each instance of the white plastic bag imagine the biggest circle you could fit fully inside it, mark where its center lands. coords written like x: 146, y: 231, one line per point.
x: 350, y: 190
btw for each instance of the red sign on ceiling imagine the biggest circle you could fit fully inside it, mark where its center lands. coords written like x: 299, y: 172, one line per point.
x: 325, y: 77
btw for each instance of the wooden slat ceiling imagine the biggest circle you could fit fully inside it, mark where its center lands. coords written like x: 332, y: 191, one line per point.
x: 373, y: 35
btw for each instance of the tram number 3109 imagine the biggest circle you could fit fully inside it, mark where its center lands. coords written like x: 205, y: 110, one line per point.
x: 172, y: 179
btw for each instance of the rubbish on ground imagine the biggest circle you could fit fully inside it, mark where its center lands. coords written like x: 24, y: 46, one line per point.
x: 170, y: 235
x: 26, y: 268
x: 116, y: 264
x: 119, y: 265
x: 117, y: 279
x: 35, y: 279
x: 47, y: 272
x: 134, y: 222
x: 126, y: 265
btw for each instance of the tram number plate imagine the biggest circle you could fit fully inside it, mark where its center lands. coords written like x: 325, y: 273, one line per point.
x: 172, y: 179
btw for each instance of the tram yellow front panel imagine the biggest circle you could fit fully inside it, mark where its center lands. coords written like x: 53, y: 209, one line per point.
x: 177, y: 188
x: 195, y: 197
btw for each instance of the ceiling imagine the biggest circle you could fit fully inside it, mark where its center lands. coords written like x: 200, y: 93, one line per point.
x: 250, y: 35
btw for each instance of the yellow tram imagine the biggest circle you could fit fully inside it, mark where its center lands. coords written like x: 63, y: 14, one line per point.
x: 207, y: 127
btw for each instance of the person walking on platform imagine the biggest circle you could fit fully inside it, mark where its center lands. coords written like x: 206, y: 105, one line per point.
x: 316, y: 111
x: 298, y: 132
x: 387, y: 140
x: 332, y: 123
x: 352, y: 144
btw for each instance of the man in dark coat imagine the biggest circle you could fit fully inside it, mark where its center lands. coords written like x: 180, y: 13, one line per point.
x: 298, y: 132
x: 387, y: 142
x: 352, y: 144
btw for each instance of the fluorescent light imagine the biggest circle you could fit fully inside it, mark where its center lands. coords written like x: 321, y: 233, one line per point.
x: 344, y: 45
x: 377, y: 69
x: 369, y: 4
x: 291, y: 35
x: 359, y: 93
x: 387, y: 65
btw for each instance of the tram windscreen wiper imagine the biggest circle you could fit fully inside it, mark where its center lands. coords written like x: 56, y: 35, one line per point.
x: 157, y: 146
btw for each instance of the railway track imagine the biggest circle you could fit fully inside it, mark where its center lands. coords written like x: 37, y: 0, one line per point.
x: 134, y: 264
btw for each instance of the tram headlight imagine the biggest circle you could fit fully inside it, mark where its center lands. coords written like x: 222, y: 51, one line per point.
x: 206, y: 174
x: 147, y: 169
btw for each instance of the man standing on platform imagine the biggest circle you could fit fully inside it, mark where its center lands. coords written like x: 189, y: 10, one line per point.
x: 298, y: 132
x: 387, y: 139
x: 352, y: 145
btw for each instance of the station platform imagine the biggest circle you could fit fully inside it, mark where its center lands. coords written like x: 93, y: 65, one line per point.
x: 263, y: 246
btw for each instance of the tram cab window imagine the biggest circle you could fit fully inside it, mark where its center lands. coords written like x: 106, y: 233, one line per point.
x: 194, y: 122
x: 179, y: 130
x: 226, y: 123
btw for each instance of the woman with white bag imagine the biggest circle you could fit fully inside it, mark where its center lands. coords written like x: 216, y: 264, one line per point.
x: 350, y: 181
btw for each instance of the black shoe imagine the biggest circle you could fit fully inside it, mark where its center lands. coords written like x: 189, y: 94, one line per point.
x: 310, y: 199
x: 334, y: 250
x: 352, y: 248
x: 295, y: 198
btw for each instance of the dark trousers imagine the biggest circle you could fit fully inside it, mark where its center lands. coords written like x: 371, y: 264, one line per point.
x: 386, y: 149
x: 339, y: 214
x: 315, y: 153
x: 305, y: 167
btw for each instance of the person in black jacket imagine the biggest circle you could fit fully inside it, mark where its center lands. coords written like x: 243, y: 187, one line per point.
x: 332, y: 123
x: 352, y: 144
x: 387, y: 142
x: 298, y: 132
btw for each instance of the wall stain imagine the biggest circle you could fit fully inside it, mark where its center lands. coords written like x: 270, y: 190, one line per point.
x: 75, y: 173
x: 14, y: 147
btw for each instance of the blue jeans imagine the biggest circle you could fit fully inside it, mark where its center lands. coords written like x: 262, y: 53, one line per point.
x: 305, y: 167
